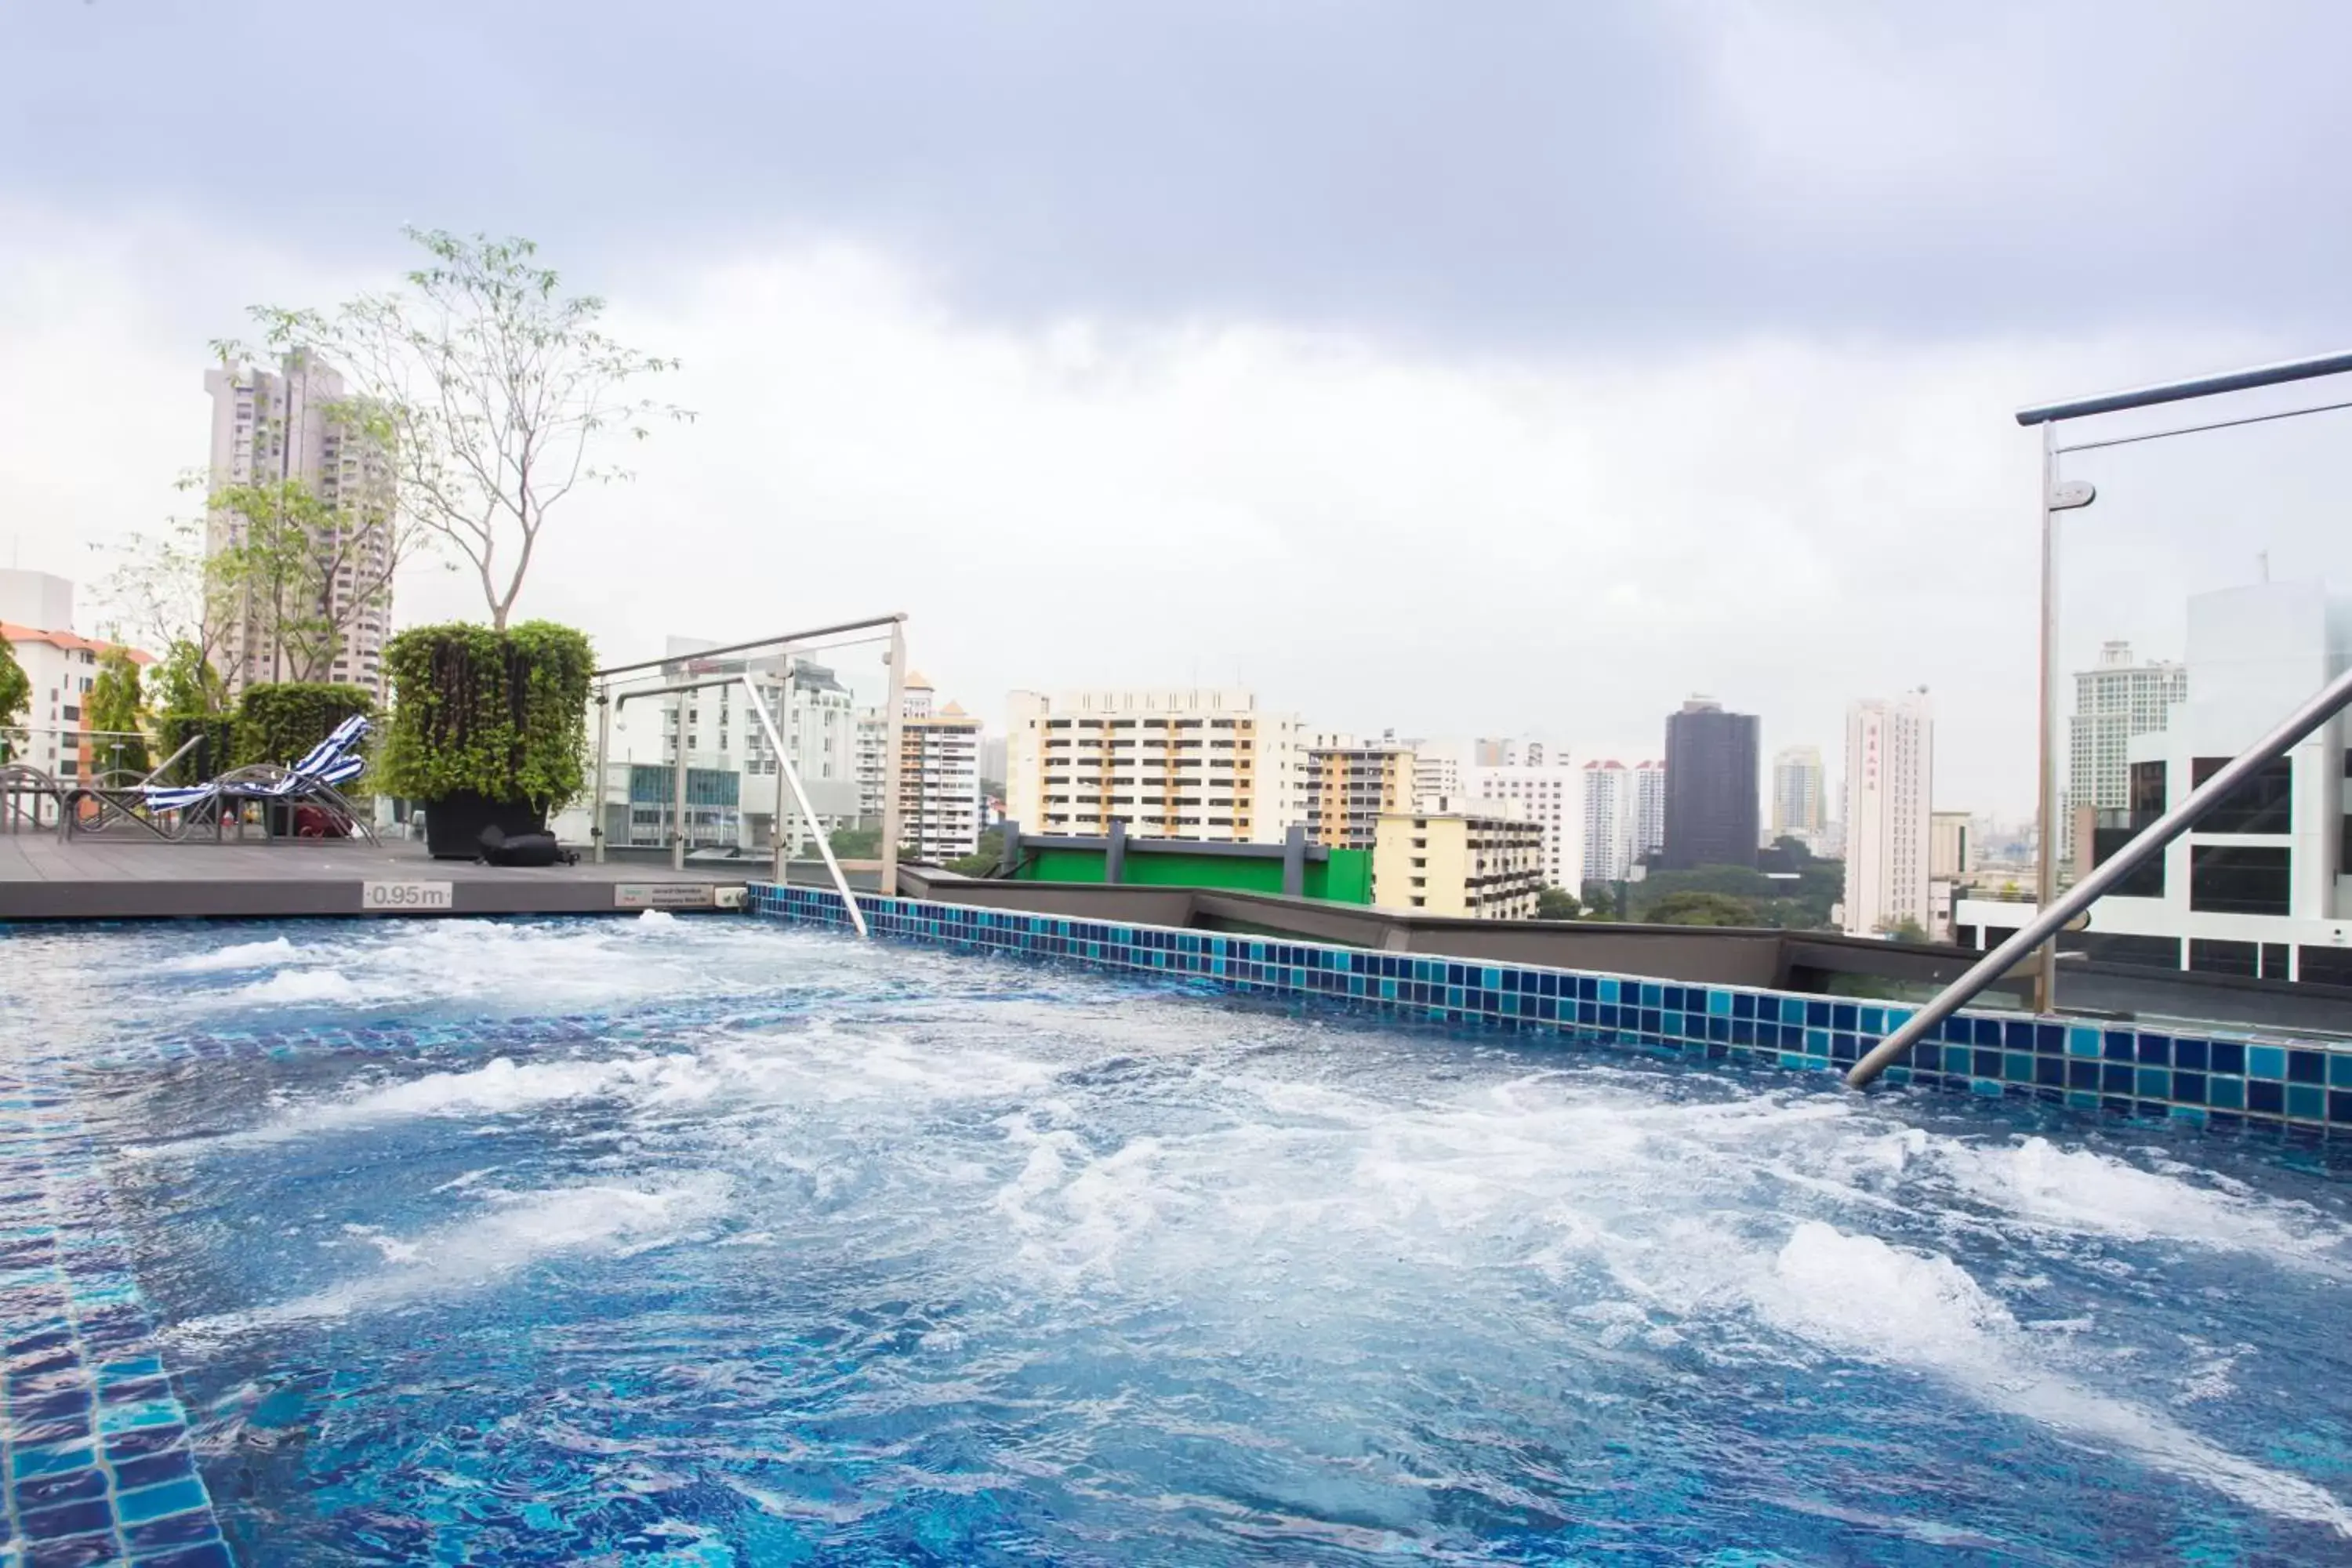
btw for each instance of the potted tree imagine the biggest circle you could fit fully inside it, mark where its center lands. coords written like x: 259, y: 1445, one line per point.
x: 488, y: 728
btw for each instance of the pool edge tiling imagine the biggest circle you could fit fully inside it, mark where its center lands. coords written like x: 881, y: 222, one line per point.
x: 2221, y: 1080
x: 96, y: 1443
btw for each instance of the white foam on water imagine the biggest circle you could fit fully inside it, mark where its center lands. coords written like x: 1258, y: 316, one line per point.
x: 515, y: 1231
x: 298, y: 988
x: 2083, y: 1191
x: 268, y: 954
x: 1338, y: 1203
x: 1857, y: 1296
x: 738, y: 1072
x: 525, y: 966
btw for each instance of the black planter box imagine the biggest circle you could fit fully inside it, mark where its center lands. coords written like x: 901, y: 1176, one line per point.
x: 453, y: 826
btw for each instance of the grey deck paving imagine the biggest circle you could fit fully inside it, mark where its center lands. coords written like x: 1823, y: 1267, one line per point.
x: 43, y: 878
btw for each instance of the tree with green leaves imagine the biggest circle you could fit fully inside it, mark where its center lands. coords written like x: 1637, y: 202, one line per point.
x: 983, y: 860
x: 1905, y: 930
x: 185, y: 681
x: 15, y: 695
x: 856, y: 842
x: 1557, y: 904
x: 168, y: 591
x: 306, y: 571
x: 497, y: 392
x: 1696, y: 908
x: 114, y: 710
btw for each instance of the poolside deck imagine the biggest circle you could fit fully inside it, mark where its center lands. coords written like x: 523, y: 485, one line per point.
x: 42, y: 877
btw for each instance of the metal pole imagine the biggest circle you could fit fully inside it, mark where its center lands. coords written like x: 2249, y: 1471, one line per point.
x: 603, y: 756
x: 785, y: 770
x: 677, y: 792
x: 2046, y: 870
x: 2149, y: 841
x: 892, y: 768
x: 800, y: 636
x: 782, y: 739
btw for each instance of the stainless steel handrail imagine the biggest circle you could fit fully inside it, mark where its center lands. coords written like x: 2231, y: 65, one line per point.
x: 2331, y: 700
x: 808, y: 814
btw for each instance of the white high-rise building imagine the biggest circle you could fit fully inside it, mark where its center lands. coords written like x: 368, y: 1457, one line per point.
x: 1437, y: 768
x: 270, y: 426
x: 2115, y: 700
x: 1623, y: 816
x: 938, y: 777
x: 1607, y: 812
x: 1799, y: 802
x: 1203, y: 764
x: 1890, y: 752
x: 1541, y: 784
x: 1649, y: 810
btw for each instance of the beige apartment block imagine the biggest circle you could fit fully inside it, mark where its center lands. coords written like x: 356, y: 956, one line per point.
x: 1475, y: 861
x: 1349, y: 786
x: 1202, y: 764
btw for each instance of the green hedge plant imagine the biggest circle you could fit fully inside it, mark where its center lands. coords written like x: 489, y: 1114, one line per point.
x: 279, y: 722
x: 207, y: 762
x: 499, y: 714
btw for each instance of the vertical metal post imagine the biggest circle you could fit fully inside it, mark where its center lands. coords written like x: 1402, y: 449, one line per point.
x: 678, y: 790
x: 784, y: 741
x: 603, y: 768
x: 2045, y: 872
x: 892, y: 768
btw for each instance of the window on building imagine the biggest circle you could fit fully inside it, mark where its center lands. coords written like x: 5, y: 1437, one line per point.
x: 2264, y: 804
x: 2235, y: 881
x: 2146, y: 792
x: 2325, y: 966
x: 2209, y: 956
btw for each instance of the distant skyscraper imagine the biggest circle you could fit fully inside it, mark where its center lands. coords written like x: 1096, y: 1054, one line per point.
x: 1800, y: 809
x: 1608, y: 821
x: 1890, y: 752
x: 269, y: 426
x: 2113, y: 702
x: 1649, y: 811
x: 1710, y: 788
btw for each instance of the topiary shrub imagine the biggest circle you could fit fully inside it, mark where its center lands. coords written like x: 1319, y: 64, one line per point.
x: 501, y: 715
x: 280, y: 721
x: 209, y: 760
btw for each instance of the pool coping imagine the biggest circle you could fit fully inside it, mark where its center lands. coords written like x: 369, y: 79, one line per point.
x: 2222, y: 1080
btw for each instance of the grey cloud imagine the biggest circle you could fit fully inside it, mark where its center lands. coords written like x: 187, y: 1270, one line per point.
x: 1509, y: 174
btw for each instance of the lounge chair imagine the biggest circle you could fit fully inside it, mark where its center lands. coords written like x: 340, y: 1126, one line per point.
x: 174, y: 811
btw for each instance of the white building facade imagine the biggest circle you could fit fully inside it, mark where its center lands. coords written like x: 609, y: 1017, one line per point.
x: 1800, y: 797
x: 1889, y: 767
x: 2263, y: 887
x: 2115, y: 702
x: 1544, y: 787
x: 1197, y: 763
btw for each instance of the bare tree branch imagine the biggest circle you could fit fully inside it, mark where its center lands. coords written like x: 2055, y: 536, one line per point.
x: 496, y: 388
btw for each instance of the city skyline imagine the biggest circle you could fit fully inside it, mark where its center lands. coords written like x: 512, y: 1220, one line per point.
x: 1740, y: 458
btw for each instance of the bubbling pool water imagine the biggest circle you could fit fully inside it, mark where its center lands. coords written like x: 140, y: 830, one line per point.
x: 801, y: 1248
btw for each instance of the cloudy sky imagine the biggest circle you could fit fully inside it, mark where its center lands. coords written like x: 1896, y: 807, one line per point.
x: 1463, y: 368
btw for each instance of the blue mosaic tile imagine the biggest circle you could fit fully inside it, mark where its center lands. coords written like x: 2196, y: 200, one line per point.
x: 2223, y: 1083
x: 93, y: 1454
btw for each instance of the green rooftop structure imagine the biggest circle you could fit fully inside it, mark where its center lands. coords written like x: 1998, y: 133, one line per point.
x: 1294, y: 868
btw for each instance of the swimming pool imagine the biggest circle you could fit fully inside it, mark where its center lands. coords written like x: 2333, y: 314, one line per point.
x: 718, y: 1241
